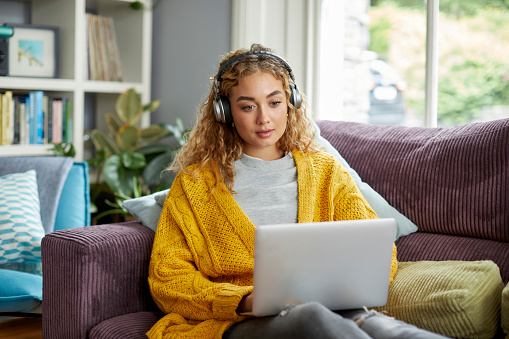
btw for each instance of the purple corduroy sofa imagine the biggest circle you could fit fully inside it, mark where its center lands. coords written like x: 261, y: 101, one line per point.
x: 453, y: 183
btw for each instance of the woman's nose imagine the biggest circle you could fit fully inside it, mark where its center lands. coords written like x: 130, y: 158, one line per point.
x: 263, y: 118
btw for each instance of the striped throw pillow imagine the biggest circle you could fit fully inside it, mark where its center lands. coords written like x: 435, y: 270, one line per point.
x: 21, y: 229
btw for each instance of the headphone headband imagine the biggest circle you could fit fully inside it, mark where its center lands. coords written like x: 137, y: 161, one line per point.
x: 233, y: 60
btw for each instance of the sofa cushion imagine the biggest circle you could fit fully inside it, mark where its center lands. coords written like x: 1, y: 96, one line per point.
x: 132, y: 325
x: 51, y: 174
x: 438, y: 247
x: 23, y: 293
x: 21, y: 228
x: 446, y: 180
x: 459, y: 299
x: 147, y: 209
x: 74, y: 204
x: 505, y: 310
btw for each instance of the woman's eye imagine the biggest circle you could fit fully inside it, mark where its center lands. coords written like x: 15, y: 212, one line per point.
x: 275, y: 103
x: 247, y: 108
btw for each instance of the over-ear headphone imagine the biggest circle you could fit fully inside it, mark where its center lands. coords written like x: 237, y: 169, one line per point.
x: 221, y: 103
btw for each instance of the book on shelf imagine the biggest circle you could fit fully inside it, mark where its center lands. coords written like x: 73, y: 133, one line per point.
x: 102, y: 49
x: 6, y: 118
x: 34, y: 119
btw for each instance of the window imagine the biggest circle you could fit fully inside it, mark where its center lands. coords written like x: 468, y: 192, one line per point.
x: 414, y: 62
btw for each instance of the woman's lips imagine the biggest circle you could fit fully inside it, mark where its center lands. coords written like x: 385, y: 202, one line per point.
x: 265, y: 133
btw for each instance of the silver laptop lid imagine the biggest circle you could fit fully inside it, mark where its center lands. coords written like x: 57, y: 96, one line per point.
x: 341, y: 264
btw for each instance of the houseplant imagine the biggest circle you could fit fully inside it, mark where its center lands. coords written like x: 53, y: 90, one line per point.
x: 129, y: 160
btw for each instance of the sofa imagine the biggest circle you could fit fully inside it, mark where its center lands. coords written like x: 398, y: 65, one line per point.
x: 448, y: 189
x: 38, y: 195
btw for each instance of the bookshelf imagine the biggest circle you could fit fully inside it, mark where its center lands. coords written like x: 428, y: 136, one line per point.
x: 134, y: 35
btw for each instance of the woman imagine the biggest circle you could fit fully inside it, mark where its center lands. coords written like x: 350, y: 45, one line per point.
x: 250, y: 160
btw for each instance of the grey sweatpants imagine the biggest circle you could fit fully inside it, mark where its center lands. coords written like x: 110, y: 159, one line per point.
x: 313, y: 320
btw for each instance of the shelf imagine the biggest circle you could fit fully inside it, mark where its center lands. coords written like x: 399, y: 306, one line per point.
x: 65, y: 85
x: 110, y: 86
x: 134, y: 35
x: 18, y: 83
x: 17, y: 150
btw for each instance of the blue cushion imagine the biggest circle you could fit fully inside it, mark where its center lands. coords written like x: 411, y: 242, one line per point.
x: 74, y: 205
x: 23, y: 293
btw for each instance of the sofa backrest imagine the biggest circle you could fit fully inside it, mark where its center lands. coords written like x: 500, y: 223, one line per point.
x: 446, y: 180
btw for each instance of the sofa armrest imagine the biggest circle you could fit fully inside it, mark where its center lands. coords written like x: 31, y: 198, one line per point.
x: 92, y: 274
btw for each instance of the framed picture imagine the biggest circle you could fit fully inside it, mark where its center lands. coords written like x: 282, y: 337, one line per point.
x: 33, y: 51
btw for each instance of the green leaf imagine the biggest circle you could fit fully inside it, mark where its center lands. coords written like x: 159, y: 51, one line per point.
x: 100, y: 156
x: 127, y: 138
x: 136, y: 5
x: 151, y: 107
x: 153, y: 133
x: 129, y: 107
x: 102, y: 142
x: 114, y: 123
x: 180, y: 124
x: 178, y: 130
x: 63, y: 149
x: 133, y: 160
x: 153, y: 149
x: 117, y: 177
x: 152, y: 174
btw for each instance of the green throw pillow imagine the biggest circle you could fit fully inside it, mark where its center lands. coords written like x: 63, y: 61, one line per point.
x: 505, y: 310
x: 459, y: 299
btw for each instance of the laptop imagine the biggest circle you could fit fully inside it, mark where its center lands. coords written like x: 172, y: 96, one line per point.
x: 341, y: 264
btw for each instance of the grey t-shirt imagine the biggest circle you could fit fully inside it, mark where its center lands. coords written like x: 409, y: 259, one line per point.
x: 267, y: 190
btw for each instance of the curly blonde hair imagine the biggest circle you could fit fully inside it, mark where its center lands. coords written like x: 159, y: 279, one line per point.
x: 213, y: 144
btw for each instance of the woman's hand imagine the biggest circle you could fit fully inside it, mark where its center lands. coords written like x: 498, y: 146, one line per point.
x: 246, y: 304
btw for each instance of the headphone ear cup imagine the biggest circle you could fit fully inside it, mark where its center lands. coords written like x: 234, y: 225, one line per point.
x: 295, y: 97
x: 222, y: 110
x: 228, y: 119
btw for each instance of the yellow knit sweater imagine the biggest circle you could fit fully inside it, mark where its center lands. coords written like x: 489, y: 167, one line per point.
x: 202, y: 260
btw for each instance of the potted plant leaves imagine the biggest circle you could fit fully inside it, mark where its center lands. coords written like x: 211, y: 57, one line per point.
x: 129, y: 160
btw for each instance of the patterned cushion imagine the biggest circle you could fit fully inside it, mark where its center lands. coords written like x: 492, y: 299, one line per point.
x: 21, y: 229
x: 459, y: 299
x: 51, y: 174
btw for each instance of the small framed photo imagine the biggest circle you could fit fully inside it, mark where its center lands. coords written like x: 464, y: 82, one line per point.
x: 33, y: 51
